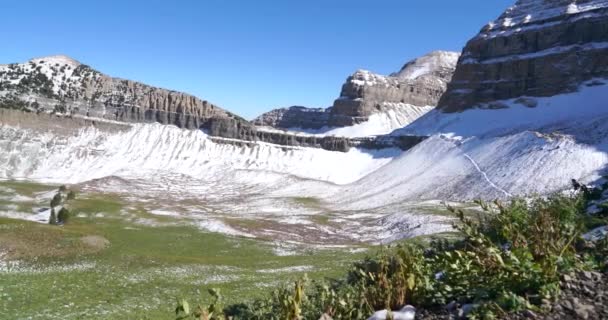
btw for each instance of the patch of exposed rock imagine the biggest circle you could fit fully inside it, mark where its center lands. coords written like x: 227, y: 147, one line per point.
x: 535, y: 48
x: 295, y: 117
x: 584, y: 296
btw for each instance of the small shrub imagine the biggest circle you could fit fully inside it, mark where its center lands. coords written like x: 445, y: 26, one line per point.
x: 63, y: 216
x: 211, y: 312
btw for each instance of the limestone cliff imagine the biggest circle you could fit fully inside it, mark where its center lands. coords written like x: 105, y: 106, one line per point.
x: 417, y: 87
x: 535, y: 48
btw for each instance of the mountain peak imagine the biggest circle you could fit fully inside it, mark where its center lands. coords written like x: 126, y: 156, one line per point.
x: 57, y: 59
x: 433, y: 63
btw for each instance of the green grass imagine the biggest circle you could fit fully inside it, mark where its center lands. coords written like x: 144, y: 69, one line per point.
x: 144, y: 268
x: 26, y: 188
x: 307, y: 201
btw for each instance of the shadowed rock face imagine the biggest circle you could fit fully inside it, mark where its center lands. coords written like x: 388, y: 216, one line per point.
x: 535, y: 48
x: 295, y: 117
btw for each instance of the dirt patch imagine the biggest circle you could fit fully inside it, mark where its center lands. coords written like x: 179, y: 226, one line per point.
x: 28, y: 240
x: 95, y: 242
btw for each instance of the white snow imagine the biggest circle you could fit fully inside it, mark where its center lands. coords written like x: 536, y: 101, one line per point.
x: 367, y: 78
x: 288, y: 269
x: 58, y: 69
x: 542, y: 53
x: 218, y: 226
x: 91, y: 154
x: 494, y: 153
x: 560, y: 110
x: 406, y: 313
x: 396, y: 116
x: 427, y: 64
x: 164, y: 213
x: 536, y: 14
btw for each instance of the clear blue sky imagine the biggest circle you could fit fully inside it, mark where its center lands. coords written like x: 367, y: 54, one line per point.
x: 247, y: 56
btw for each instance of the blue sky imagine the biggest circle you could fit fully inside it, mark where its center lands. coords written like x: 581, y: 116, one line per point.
x: 247, y: 56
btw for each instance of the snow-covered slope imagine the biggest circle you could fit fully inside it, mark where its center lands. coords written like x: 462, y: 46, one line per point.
x: 90, y: 153
x: 217, y: 187
x: 514, y: 116
x: 495, y: 153
x: 397, y: 115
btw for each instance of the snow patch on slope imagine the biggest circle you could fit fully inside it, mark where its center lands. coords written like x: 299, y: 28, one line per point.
x: 428, y: 64
x: 560, y: 110
x: 535, y: 14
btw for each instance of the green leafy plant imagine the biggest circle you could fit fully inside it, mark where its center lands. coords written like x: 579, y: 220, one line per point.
x: 211, y: 312
x: 508, y: 258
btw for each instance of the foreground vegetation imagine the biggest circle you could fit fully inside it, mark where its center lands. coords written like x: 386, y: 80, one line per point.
x: 115, y: 260
x: 509, y: 259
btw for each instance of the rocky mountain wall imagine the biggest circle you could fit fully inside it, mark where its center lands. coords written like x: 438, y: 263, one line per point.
x: 536, y: 48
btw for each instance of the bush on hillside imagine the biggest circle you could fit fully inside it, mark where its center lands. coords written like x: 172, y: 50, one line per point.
x: 63, y: 216
x: 61, y: 198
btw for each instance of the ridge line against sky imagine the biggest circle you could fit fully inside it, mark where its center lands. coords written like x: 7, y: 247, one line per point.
x: 244, y: 56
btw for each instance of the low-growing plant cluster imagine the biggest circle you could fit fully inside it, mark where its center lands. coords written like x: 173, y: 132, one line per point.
x: 510, y: 258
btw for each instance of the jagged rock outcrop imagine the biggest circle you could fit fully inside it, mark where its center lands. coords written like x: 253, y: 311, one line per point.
x: 535, y: 48
x: 411, y: 92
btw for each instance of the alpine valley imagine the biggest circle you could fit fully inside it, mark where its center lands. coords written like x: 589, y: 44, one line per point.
x: 174, y: 193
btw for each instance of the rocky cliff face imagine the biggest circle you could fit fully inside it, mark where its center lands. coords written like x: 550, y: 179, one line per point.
x: 61, y: 85
x: 535, y: 48
x: 419, y: 83
x: 295, y: 117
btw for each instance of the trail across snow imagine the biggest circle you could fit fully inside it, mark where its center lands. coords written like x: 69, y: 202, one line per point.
x: 485, y: 175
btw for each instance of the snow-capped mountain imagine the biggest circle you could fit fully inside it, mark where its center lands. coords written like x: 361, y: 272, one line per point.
x: 525, y: 112
x: 373, y: 104
x: 64, y: 85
